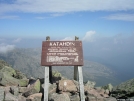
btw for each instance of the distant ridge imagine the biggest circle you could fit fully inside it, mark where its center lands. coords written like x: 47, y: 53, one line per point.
x: 28, y: 62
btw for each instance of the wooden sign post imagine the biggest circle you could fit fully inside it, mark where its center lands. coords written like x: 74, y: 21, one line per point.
x: 62, y: 53
x: 78, y: 71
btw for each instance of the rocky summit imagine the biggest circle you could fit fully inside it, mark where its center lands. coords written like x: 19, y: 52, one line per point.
x: 15, y: 86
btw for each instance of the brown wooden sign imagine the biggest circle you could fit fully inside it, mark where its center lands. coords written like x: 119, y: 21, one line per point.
x: 62, y: 53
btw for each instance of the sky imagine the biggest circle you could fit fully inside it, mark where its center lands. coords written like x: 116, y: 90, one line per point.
x: 106, y: 27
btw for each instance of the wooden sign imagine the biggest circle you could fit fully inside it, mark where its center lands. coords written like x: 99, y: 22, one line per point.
x: 62, y: 53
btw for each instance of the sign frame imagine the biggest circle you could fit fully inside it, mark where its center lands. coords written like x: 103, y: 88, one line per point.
x: 62, y: 53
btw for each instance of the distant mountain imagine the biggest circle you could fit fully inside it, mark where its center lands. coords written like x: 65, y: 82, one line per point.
x: 28, y: 62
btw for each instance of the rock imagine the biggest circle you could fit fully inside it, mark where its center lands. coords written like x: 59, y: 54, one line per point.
x: 93, y: 92
x: 2, y: 90
x: 98, y: 89
x: 100, y: 98
x: 68, y: 93
x: 103, y: 93
x: 124, y: 90
x: 7, y: 89
x: 110, y: 99
x: 21, y: 98
x: 19, y: 75
x: 74, y: 98
x: 10, y: 77
x: 4, y: 67
x: 77, y: 85
x: 98, y: 93
x: 67, y: 86
x: 3, y: 64
x: 10, y: 97
x: 91, y: 98
x: 52, y: 88
x: 7, y: 80
x: 90, y: 84
x: 32, y: 88
x: 35, y: 97
x: 56, y: 76
x: 14, y: 90
x: 109, y: 87
x: 59, y: 97
x: 10, y: 71
x: 107, y: 91
x: 22, y: 89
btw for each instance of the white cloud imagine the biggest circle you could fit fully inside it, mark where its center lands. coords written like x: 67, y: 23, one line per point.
x: 41, y: 17
x: 50, y: 16
x: 67, y: 39
x: 124, y: 17
x: 89, y: 36
x: 9, y: 17
x: 57, y: 14
x: 42, y: 6
x: 4, y: 48
x: 17, y: 40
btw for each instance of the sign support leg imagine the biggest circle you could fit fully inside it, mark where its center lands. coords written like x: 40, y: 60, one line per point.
x: 76, y: 73
x: 82, y: 96
x: 46, y: 83
x: 50, y: 74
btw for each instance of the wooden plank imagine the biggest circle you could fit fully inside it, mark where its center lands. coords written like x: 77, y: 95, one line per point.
x: 76, y: 73
x: 46, y: 83
x: 82, y: 96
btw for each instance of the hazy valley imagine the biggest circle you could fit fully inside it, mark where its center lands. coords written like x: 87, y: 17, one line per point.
x: 28, y: 62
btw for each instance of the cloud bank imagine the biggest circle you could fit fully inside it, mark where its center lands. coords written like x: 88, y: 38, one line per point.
x: 123, y: 17
x: 17, y: 40
x: 4, y: 48
x: 89, y: 36
x: 45, y: 6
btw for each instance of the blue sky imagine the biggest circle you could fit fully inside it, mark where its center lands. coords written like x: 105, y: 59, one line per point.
x: 106, y: 27
x: 61, y: 19
x: 90, y: 20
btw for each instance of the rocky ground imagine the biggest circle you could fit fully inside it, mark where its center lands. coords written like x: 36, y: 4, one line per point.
x: 15, y: 86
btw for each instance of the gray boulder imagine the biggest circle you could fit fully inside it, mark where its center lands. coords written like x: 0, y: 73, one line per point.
x: 91, y: 98
x: 89, y: 85
x: 11, y: 77
x: 59, y: 97
x: 110, y: 99
x: 32, y: 88
x: 52, y: 88
x: 35, y: 97
x: 2, y: 90
x: 14, y: 90
x: 3, y: 63
x: 67, y: 86
x: 7, y: 80
x: 22, y: 89
x: 109, y: 87
x: 21, y: 98
x: 10, y: 97
x: 74, y: 98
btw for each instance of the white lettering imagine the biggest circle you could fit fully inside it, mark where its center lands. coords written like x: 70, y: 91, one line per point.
x: 56, y: 59
x: 62, y: 44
